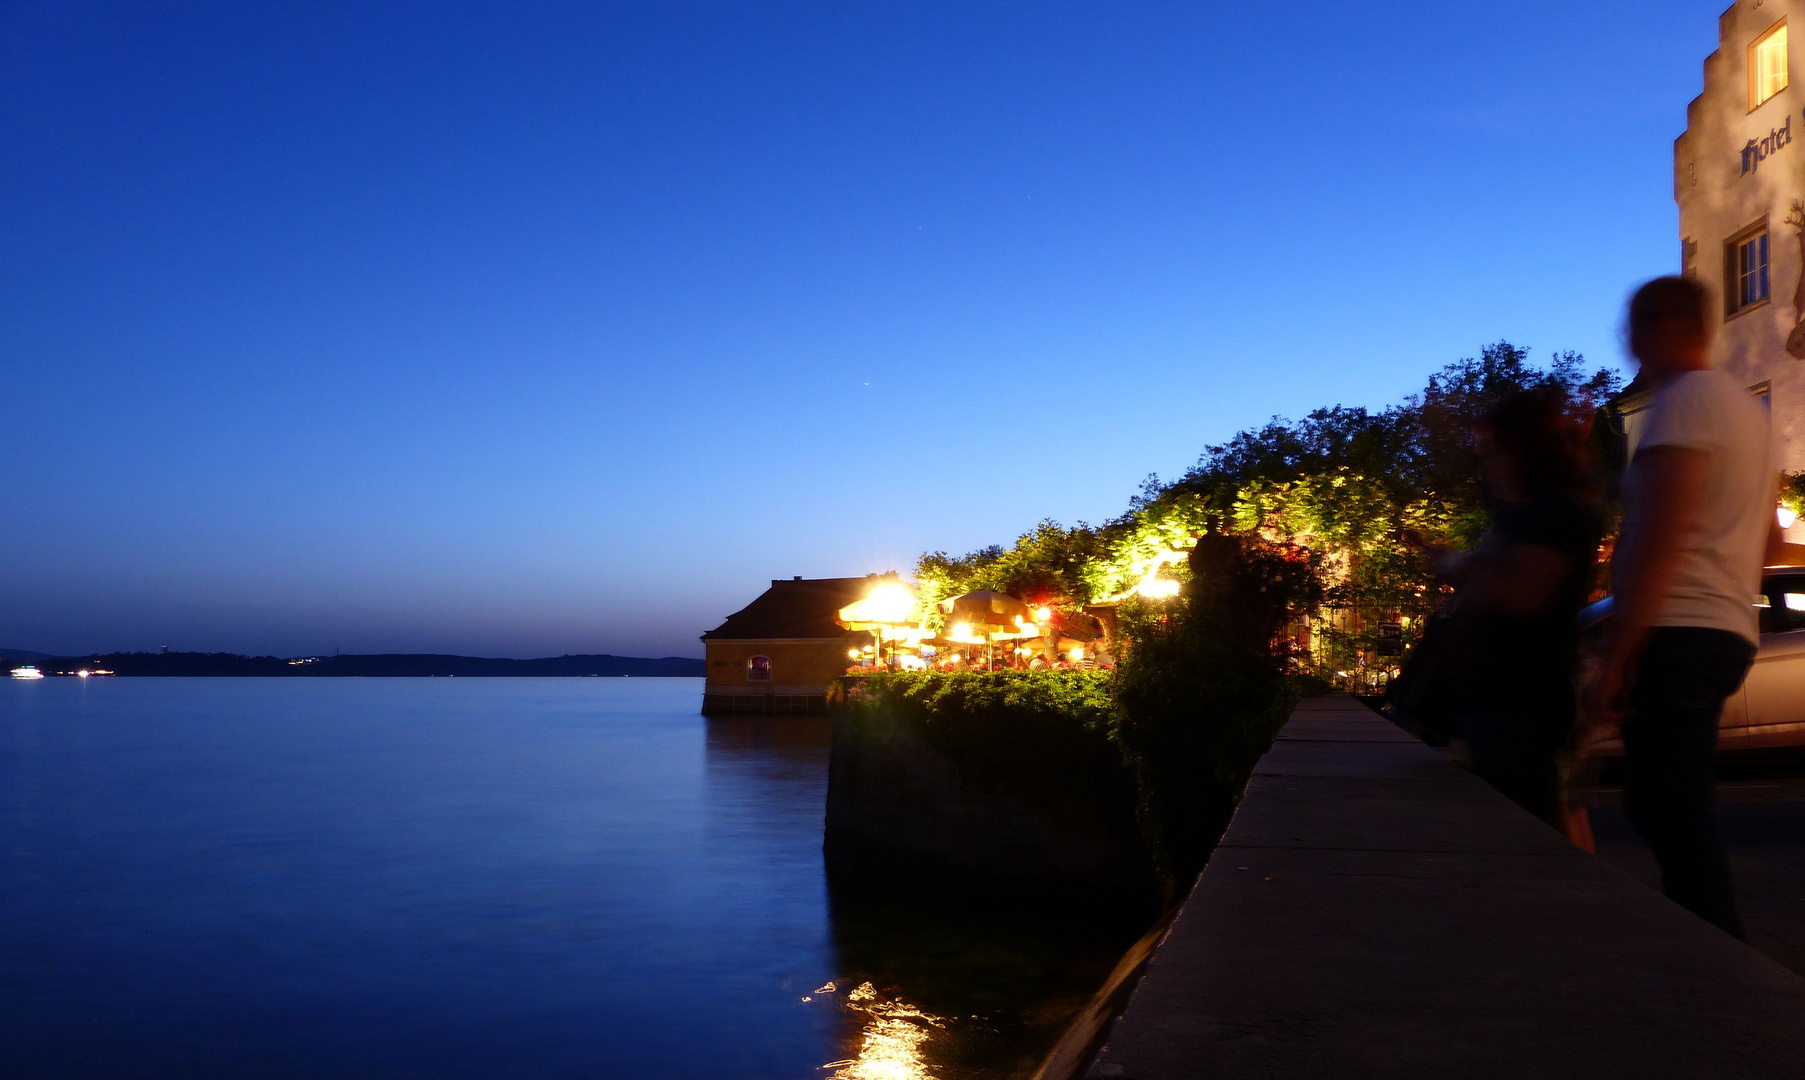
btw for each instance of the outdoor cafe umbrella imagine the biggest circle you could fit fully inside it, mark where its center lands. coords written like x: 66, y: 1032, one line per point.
x: 994, y: 614
x: 886, y: 610
x: 984, y: 606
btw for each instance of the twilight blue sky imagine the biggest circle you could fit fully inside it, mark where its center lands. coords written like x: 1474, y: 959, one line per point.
x: 522, y: 329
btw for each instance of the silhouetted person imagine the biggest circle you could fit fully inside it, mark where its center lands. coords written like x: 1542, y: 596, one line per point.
x: 1518, y: 595
x: 1698, y: 502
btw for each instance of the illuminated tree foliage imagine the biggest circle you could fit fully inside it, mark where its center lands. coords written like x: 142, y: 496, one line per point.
x: 1337, y: 511
x: 1368, y: 494
x: 1050, y: 565
x: 1373, y: 491
x: 1792, y: 492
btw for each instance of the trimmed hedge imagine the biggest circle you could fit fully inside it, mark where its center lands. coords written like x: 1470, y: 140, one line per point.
x: 1045, y: 736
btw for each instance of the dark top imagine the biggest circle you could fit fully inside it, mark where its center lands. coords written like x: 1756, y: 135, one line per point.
x: 1525, y: 662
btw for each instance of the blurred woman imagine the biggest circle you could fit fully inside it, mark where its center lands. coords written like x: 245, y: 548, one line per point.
x: 1517, y: 596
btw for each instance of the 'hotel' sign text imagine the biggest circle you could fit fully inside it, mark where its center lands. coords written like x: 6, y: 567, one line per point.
x: 1757, y: 150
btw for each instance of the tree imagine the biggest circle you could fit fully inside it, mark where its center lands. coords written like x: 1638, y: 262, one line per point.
x: 1366, y: 493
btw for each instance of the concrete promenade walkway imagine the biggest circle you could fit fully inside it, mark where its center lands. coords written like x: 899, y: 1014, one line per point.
x: 1375, y: 911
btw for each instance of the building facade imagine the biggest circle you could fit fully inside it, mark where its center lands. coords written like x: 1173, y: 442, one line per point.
x: 1739, y: 180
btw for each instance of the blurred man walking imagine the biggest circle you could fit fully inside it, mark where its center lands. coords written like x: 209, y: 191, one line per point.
x: 1699, y: 500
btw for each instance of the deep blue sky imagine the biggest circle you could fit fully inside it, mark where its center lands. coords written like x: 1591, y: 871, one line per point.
x: 522, y: 329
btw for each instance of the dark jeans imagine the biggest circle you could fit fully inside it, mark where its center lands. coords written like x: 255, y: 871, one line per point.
x: 1670, y: 741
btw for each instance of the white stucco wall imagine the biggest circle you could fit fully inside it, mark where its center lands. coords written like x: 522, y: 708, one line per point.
x: 1718, y: 200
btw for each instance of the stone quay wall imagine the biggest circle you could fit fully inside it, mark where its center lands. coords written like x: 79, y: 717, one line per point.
x: 903, y: 810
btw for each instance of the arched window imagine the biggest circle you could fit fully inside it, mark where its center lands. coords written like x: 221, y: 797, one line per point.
x: 758, y: 669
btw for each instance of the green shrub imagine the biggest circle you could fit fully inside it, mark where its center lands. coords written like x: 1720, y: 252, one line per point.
x: 1202, y: 690
x: 1043, y: 735
x: 1310, y: 684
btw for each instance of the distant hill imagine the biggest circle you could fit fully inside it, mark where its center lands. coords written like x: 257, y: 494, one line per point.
x: 25, y: 655
x: 377, y: 665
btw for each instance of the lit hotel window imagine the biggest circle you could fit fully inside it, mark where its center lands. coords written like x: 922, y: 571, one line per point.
x: 1748, y: 266
x: 1767, y: 64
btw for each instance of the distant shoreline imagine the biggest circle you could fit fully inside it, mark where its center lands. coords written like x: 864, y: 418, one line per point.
x: 371, y: 665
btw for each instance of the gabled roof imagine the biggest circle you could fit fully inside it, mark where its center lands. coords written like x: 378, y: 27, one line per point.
x: 797, y: 608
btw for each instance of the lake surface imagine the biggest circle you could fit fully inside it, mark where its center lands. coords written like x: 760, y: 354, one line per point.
x: 472, y: 878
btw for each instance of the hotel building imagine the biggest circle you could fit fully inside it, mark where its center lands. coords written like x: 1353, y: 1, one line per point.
x: 1739, y: 180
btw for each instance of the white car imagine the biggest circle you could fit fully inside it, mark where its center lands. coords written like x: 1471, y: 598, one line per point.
x: 1768, y: 711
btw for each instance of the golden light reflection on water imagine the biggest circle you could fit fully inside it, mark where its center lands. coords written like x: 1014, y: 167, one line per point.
x: 890, y: 1046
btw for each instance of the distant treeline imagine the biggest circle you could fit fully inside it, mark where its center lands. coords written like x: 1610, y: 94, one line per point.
x: 372, y: 665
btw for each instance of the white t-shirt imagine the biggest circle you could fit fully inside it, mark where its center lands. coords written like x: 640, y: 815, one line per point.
x: 1719, y: 572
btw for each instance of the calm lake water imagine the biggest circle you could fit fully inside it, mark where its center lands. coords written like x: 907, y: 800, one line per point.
x: 472, y: 878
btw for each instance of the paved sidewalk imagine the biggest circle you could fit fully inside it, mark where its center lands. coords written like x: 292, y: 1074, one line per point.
x: 1761, y: 810
x: 1375, y: 911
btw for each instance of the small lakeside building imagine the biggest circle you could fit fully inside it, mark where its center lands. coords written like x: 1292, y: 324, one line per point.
x: 779, y: 654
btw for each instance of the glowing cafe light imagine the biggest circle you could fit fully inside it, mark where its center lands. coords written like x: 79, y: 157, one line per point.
x: 1042, y: 614
x: 1155, y: 588
x: 852, y: 654
x: 888, y: 602
x: 962, y: 632
x: 1786, y: 515
x: 1077, y: 653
